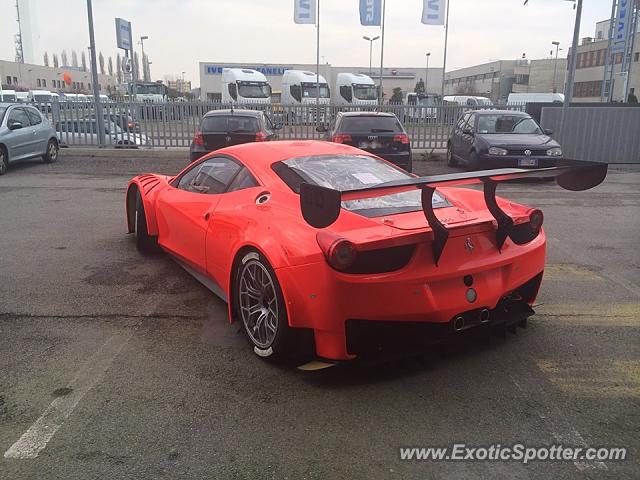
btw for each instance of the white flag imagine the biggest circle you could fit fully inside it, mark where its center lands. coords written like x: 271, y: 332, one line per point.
x: 304, y: 11
x: 433, y: 12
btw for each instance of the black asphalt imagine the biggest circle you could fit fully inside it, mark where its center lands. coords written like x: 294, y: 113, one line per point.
x: 184, y: 397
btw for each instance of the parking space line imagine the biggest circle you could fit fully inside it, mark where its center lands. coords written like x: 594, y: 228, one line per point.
x: 42, y: 431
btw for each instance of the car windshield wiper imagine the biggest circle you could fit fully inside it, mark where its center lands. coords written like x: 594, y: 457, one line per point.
x: 381, y: 130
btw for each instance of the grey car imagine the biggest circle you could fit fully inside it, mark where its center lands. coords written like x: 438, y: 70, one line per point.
x: 25, y: 133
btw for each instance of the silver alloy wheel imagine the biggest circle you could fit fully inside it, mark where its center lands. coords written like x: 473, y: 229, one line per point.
x: 258, y: 303
x: 53, y: 151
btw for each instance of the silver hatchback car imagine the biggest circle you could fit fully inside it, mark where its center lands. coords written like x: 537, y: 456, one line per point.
x: 25, y: 133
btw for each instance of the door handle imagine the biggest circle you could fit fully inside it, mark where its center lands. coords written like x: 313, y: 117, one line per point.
x: 207, y: 215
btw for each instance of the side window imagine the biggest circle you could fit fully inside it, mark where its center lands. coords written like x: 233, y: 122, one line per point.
x: 233, y: 91
x: 472, y: 121
x: 296, y: 92
x: 243, y: 180
x: 465, y: 120
x: 345, y: 91
x: 18, y: 115
x: 211, y: 176
x: 34, y: 116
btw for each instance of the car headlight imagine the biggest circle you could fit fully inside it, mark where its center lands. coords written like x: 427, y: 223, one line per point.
x: 554, y: 152
x: 497, y: 151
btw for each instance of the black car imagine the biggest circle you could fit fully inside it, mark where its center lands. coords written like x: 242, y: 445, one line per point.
x: 379, y: 133
x: 488, y: 139
x: 223, y: 128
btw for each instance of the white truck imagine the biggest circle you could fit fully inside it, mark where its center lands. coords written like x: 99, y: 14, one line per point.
x: 148, y: 92
x: 243, y: 85
x: 355, y: 89
x: 8, y: 96
x: 469, y: 100
x: 39, y: 96
x: 299, y: 89
x: 521, y: 98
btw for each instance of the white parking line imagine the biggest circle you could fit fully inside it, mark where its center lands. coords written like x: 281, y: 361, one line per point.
x: 36, y: 438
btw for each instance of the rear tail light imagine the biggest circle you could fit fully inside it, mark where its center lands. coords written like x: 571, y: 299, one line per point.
x: 535, y: 220
x: 401, y: 138
x: 261, y: 137
x: 130, y: 125
x: 339, y: 252
x: 341, y: 138
x: 198, y: 139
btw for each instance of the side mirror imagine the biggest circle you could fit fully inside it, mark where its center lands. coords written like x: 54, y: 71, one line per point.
x: 548, y: 131
x: 467, y: 131
x: 15, y: 125
x: 321, y: 129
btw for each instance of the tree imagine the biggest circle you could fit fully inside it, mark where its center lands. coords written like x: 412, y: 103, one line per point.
x: 56, y: 64
x: 419, y: 87
x: 74, y: 59
x: 110, y: 66
x: 46, y: 59
x: 396, y: 97
x: 101, y: 62
x: 119, y: 68
x: 83, y: 61
x: 64, y: 58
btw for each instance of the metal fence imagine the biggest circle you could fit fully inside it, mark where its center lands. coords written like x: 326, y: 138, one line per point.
x: 599, y: 134
x: 173, y: 124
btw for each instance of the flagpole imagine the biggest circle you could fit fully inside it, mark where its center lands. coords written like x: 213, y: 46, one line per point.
x: 446, y: 38
x: 318, y: 65
x: 381, y: 94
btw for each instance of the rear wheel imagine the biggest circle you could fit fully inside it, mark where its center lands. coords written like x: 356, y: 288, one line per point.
x: 261, y: 308
x: 144, y: 242
x: 451, y: 161
x: 4, y: 161
x: 51, y: 155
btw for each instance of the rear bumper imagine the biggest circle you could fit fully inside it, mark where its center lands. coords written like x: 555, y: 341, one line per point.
x: 486, y: 161
x: 402, y: 160
x: 325, y: 300
x: 196, y: 152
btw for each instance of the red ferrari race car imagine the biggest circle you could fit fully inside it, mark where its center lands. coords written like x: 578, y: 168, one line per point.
x: 309, y: 239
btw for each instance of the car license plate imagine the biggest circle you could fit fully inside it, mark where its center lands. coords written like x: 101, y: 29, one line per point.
x: 528, y: 162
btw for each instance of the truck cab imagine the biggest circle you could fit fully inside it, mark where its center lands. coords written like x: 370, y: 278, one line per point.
x: 8, y: 96
x: 243, y: 85
x: 421, y: 107
x: 355, y: 89
x: 299, y: 88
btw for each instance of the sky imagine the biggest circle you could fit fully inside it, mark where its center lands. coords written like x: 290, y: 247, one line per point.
x: 185, y: 32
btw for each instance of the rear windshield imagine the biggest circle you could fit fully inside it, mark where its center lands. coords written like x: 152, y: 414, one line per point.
x: 371, y: 125
x: 229, y: 124
x: 352, y: 172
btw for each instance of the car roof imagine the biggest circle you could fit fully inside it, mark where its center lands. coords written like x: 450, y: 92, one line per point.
x: 501, y: 112
x: 235, y: 111
x: 367, y: 114
x: 9, y: 104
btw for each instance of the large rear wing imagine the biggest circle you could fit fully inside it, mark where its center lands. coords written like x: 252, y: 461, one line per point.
x: 321, y: 205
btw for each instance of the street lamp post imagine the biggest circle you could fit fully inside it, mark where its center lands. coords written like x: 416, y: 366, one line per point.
x: 555, y: 65
x: 371, y: 40
x: 144, y: 68
x: 426, y: 76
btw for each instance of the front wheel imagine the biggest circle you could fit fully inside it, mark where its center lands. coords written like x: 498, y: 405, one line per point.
x: 260, y: 306
x: 51, y: 154
x: 144, y: 242
x: 4, y: 161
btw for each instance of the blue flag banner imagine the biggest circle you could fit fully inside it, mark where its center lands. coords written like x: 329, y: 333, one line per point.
x: 370, y: 12
x: 433, y: 12
x: 304, y: 11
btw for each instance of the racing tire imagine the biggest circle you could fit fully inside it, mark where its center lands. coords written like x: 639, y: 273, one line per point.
x: 261, y: 308
x: 145, y: 243
x: 473, y: 163
x: 51, y: 154
x: 451, y: 161
x: 4, y: 160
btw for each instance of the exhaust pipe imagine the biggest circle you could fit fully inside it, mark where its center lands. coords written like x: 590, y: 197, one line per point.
x: 485, y: 315
x: 458, y: 323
